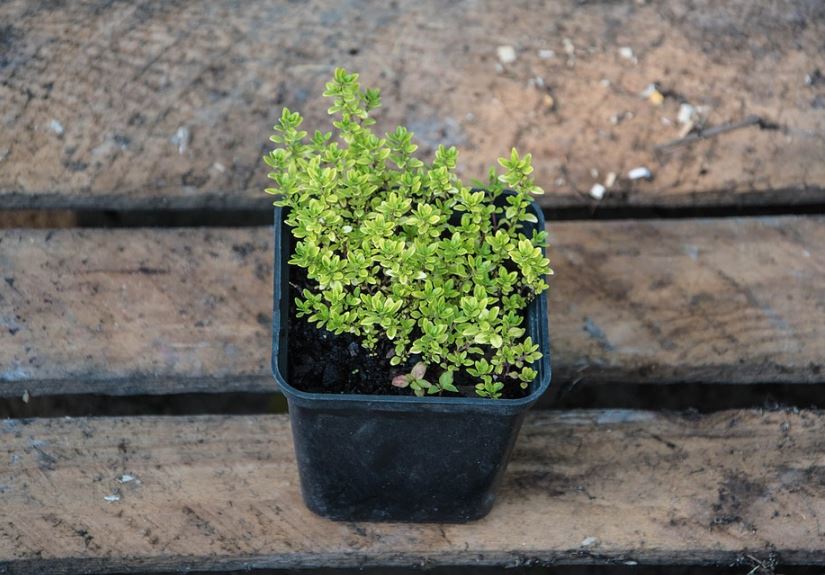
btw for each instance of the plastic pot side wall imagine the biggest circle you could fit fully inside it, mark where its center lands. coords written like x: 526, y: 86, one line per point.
x: 399, y: 458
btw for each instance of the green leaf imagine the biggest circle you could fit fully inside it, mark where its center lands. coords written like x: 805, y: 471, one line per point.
x: 445, y: 380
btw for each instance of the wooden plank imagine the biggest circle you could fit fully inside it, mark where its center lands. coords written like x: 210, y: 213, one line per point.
x: 137, y: 311
x: 144, y: 105
x: 591, y: 487
x: 702, y: 301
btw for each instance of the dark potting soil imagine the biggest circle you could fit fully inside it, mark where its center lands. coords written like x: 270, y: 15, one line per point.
x: 323, y: 362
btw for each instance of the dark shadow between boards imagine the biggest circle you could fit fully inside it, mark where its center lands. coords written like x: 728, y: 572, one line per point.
x: 699, y: 398
x: 262, y: 215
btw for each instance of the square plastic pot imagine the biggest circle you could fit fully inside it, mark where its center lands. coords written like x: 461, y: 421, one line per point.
x: 399, y: 458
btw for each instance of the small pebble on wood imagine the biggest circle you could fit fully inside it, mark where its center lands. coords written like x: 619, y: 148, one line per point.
x: 686, y: 113
x: 507, y: 54
x: 589, y: 542
x: 610, y: 179
x: 597, y: 191
x: 56, y: 127
x: 640, y: 173
x: 181, y: 139
x: 626, y: 52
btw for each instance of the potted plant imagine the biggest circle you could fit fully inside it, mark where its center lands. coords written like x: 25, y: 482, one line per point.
x: 409, y: 317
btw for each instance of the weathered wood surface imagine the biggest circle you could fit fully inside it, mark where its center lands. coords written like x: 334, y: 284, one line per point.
x: 705, y: 301
x: 135, y: 311
x: 145, y: 104
x: 595, y: 487
x: 166, y: 311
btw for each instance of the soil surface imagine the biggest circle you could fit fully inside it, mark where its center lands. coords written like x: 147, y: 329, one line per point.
x: 323, y: 362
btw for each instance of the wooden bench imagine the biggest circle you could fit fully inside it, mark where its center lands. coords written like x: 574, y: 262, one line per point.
x: 163, y: 108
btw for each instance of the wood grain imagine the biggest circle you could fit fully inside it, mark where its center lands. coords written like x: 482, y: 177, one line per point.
x: 591, y: 487
x: 703, y: 301
x: 135, y: 311
x: 120, y: 105
x: 142, y: 311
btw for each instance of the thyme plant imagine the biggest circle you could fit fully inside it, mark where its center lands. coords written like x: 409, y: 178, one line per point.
x: 403, y: 255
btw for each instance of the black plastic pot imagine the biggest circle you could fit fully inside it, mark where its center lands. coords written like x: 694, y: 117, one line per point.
x: 399, y: 458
